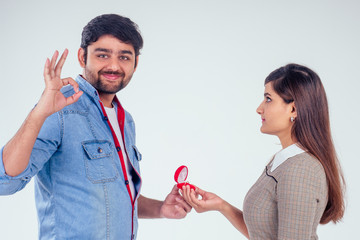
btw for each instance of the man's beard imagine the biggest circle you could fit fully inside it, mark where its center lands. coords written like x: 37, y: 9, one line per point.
x: 101, y: 86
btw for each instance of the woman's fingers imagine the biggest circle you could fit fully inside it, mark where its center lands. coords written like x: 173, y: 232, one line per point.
x: 186, y: 206
x: 187, y: 193
x: 200, y: 191
x: 193, y: 197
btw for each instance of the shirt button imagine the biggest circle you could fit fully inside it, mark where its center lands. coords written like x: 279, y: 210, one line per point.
x: 118, y: 149
x: 126, y: 182
x: 100, y: 150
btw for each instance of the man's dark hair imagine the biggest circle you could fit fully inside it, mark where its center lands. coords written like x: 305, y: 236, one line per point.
x: 111, y: 24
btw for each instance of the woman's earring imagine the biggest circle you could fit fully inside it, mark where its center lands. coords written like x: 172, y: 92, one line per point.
x: 292, y: 119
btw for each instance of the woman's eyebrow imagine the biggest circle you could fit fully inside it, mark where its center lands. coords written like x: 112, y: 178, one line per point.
x: 267, y: 94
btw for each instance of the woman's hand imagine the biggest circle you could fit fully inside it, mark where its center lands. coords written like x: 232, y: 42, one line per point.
x: 207, y: 202
x: 210, y: 201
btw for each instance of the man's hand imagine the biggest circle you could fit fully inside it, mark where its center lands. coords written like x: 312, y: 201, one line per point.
x: 174, y: 205
x: 17, y: 151
x: 52, y: 100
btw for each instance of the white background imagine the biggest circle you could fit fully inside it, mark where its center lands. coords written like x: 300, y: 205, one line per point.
x: 194, y: 95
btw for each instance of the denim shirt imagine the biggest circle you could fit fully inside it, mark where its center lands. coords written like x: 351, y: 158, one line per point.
x: 80, y: 190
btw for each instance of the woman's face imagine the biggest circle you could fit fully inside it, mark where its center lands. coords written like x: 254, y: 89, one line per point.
x: 276, y: 114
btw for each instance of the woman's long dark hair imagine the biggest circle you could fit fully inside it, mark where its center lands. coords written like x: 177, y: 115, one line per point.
x: 301, y: 85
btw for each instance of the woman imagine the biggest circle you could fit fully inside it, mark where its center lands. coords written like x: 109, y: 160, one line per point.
x: 302, y: 185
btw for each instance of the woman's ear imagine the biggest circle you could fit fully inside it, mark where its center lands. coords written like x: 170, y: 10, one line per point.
x: 293, y: 110
x: 81, y: 57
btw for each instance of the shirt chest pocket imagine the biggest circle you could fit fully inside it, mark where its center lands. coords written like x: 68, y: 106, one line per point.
x: 135, y: 157
x: 99, y: 161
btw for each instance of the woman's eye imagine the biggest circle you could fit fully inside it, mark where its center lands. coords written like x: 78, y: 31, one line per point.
x: 268, y: 99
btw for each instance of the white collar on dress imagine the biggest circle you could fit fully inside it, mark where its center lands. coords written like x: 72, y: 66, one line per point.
x: 285, y: 154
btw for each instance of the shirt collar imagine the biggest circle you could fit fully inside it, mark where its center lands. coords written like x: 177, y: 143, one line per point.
x: 87, y: 87
x: 285, y: 154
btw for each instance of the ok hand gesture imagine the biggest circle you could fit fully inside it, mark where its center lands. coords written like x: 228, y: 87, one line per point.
x: 52, y: 99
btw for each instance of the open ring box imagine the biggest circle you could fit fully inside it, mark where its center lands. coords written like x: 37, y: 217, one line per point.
x: 180, y: 177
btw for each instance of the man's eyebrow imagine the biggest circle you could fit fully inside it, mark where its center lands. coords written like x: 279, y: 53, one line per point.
x: 103, y: 50
x: 126, y: 52
x: 110, y: 51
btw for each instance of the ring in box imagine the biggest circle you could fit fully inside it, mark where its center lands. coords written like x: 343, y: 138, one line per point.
x: 180, y: 177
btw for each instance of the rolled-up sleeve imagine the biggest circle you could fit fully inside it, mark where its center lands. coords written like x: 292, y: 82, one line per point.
x: 45, y: 145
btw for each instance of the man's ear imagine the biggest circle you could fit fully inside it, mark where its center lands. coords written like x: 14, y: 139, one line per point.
x: 136, y: 62
x: 81, y: 57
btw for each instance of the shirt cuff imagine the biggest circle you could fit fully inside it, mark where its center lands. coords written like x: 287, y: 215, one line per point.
x: 2, y: 168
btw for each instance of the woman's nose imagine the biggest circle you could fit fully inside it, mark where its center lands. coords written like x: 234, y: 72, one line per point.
x: 259, y: 110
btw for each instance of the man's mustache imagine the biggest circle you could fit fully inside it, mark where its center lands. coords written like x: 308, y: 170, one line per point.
x: 112, y: 73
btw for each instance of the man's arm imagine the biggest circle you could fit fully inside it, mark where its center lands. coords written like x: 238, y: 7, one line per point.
x: 173, y: 206
x: 17, y: 151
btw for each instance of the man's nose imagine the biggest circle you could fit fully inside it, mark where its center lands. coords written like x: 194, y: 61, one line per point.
x: 114, y: 65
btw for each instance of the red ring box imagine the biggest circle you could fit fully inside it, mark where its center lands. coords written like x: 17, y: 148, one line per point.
x: 180, y: 176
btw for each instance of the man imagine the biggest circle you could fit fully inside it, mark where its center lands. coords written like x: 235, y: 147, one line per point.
x: 79, y: 143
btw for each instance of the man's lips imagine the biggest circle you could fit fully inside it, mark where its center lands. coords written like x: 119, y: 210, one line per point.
x: 111, y: 76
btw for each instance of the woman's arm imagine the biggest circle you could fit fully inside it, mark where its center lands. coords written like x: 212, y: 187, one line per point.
x: 211, y: 202
x: 235, y: 216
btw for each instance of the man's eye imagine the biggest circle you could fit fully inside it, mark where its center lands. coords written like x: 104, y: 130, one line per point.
x: 268, y: 99
x: 124, y: 58
x: 102, y: 56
